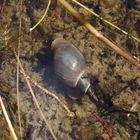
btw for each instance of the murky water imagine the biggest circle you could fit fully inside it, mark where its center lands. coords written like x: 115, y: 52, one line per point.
x: 117, y: 82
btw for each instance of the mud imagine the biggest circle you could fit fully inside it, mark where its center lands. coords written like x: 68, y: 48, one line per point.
x: 117, y: 81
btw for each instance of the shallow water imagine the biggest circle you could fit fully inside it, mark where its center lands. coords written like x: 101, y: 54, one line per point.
x: 116, y: 80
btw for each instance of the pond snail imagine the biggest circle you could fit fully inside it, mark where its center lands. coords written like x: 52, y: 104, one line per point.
x: 69, y: 65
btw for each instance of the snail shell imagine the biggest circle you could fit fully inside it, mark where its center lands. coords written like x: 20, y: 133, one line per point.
x: 69, y: 63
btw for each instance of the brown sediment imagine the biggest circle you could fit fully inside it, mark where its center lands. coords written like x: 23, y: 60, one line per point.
x: 108, y: 3
x: 115, y: 77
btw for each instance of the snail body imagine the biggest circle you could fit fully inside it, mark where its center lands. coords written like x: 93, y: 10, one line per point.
x: 69, y: 64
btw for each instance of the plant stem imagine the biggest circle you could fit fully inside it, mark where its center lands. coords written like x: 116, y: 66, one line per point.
x: 121, y: 51
x: 7, y: 119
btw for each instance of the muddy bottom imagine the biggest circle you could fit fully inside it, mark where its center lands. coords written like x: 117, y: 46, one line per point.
x: 115, y: 81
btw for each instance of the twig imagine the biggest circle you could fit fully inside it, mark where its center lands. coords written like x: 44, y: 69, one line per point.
x: 37, y: 104
x: 121, y: 51
x: 70, y: 114
x: 7, y: 119
x: 134, y: 106
x: 99, y: 119
x: 2, y: 7
x: 31, y: 29
x: 35, y: 100
x: 106, y: 21
x: 18, y: 55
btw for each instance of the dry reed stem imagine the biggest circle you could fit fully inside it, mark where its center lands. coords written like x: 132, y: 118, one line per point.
x: 121, y: 51
x: 2, y: 7
x: 31, y: 29
x: 106, y: 21
x: 18, y: 55
x: 35, y: 100
x: 8, y: 120
x: 134, y: 106
x: 70, y: 114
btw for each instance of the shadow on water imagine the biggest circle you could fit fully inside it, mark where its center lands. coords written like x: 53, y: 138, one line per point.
x: 44, y: 66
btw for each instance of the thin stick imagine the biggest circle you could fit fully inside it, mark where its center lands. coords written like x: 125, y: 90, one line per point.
x: 70, y: 114
x: 134, y: 105
x: 122, y: 52
x: 7, y: 119
x: 18, y: 55
x: 31, y: 29
x: 106, y: 21
x: 35, y: 100
x: 99, y: 119
x: 2, y: 7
